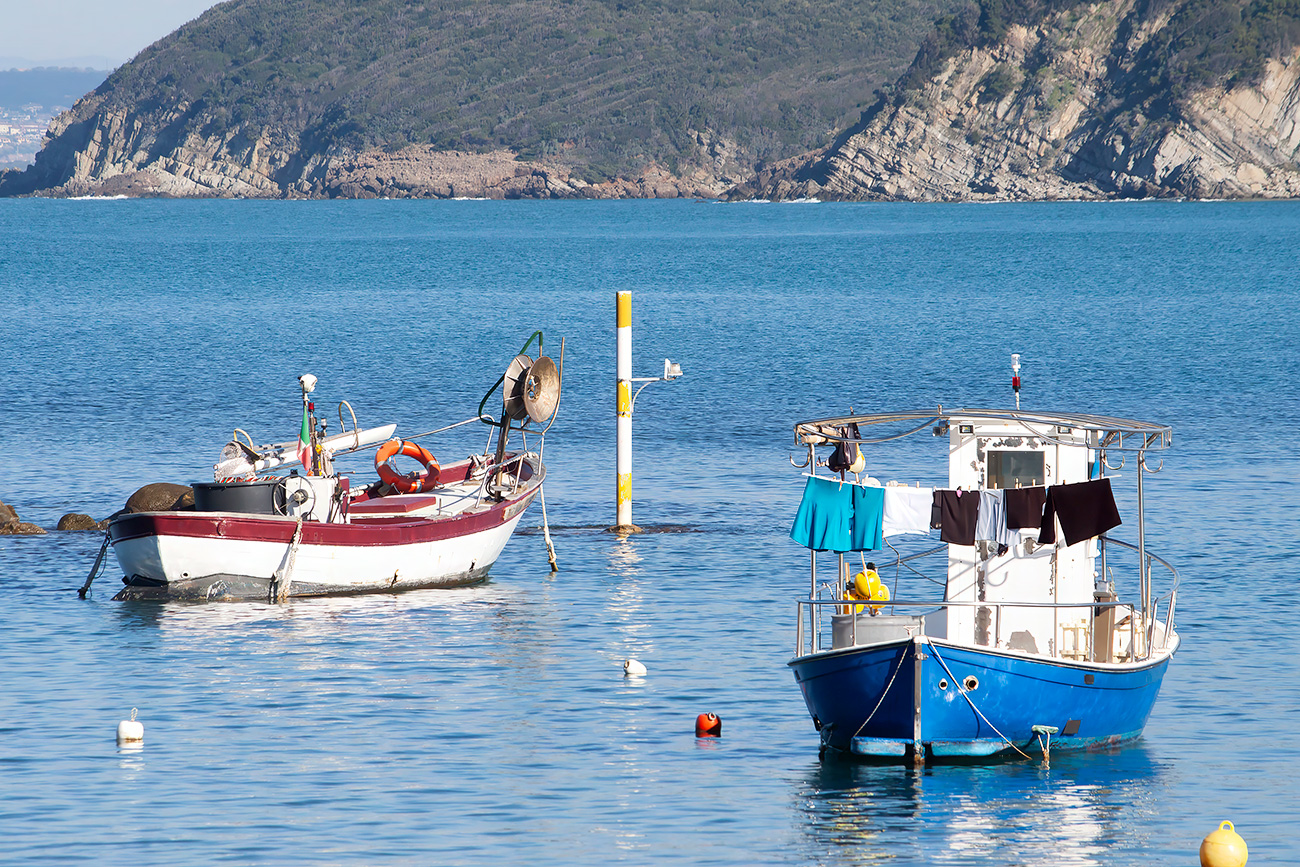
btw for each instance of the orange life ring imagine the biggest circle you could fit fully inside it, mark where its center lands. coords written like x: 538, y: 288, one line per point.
x: 411, y: 482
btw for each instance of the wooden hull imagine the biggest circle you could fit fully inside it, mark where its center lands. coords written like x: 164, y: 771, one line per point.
x: 232, y: 556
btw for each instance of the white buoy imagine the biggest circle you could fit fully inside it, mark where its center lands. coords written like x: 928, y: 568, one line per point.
x: 632, y: 668
x: 129, y: 731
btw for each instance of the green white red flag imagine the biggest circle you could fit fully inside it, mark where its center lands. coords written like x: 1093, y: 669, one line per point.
x: 304, y: 442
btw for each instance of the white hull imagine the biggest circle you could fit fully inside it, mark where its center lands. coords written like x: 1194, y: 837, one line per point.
x: 214, y: 568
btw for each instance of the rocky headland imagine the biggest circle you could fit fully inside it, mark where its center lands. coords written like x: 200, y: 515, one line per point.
x: 1005, y: 100
x: 1068, y: 108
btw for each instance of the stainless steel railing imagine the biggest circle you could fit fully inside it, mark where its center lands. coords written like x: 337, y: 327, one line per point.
x: 1142, y: 625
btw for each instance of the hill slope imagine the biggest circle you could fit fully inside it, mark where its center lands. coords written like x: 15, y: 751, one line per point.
x: 1021, y: 99
x: 332, y: 97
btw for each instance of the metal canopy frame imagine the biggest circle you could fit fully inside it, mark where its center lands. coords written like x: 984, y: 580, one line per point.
x: 1113, y: 434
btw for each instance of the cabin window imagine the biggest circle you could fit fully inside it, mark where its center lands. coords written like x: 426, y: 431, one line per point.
x: 1016, y: 469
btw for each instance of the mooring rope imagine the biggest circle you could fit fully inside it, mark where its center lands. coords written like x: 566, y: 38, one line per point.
x: 284, y: 578
x: 970, y: 701
x: 901, y: 657
x: 95, y: 570
x: 546, y: 529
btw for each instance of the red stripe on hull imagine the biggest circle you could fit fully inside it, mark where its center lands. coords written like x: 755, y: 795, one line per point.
x: 362, y: 532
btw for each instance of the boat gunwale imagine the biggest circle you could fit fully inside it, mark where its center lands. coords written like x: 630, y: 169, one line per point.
x: 362, y: 531
x: 1157, y: 656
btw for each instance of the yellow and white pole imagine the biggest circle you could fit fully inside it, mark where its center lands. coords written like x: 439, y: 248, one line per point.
x: 624, y: 406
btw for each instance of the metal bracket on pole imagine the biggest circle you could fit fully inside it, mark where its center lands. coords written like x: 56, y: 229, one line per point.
x: 625, y: 400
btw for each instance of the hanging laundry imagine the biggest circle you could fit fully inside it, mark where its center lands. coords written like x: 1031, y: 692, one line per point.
x: 991, y: 523
x: 958, y: 511
x: 825, y: 516
x: 847, y: 456
x: 1085, y: 510
x: 1025, y: 507
x: 868, y: 518
x: 907, y: 510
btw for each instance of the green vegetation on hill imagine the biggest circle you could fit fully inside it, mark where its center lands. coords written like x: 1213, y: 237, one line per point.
x: 1203, y: 43
x: 1212, y: 42
x: 612, y: 83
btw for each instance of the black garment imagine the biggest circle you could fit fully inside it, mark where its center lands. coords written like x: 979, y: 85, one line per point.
x: 1084, y: 510
x: 845, y: 452
x: 957, y: 516
x: 1025, y: 506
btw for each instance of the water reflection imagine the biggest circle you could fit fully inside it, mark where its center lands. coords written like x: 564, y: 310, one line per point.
x: 1079, y: 812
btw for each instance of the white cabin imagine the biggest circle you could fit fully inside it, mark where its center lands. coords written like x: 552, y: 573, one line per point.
x: 997, y: 454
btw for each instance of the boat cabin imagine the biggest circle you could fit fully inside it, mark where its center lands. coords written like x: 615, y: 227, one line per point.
x: 1001, y: 455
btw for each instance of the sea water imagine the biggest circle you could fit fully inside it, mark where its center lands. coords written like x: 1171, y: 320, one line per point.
x: 493, y: 724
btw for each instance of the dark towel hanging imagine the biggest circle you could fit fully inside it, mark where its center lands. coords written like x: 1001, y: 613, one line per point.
x: 1025, y: 507
x: 958, y: 512
x: 1085, y: 510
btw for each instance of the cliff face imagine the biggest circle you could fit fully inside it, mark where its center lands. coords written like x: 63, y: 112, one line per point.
x: 1057, y: 111
x: 116, y: 151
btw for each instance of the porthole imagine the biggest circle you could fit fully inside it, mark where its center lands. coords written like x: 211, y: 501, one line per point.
x: 971, y: 683
x: 943, y: 683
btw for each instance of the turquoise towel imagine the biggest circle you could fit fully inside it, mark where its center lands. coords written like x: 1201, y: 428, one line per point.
x: 825, y: 517
x: 868, y: 530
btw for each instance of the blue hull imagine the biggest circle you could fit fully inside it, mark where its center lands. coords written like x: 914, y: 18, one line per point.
x: 903, y: 699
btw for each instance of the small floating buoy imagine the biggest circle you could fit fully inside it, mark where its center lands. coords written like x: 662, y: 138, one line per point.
x: 708, y: 725
x: 1223, y: 848
x: 129, y: 731
x: 632, y: 668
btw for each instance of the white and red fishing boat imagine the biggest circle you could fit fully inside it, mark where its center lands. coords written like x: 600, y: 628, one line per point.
x: 253, y: 534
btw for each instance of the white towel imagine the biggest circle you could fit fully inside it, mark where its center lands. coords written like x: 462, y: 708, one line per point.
x: 907, y: 510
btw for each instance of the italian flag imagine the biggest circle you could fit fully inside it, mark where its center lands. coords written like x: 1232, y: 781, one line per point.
x: 304, y: 442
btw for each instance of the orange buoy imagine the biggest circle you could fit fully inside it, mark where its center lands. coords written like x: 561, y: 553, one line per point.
x: 708, y: 725
x: 1223, y: 848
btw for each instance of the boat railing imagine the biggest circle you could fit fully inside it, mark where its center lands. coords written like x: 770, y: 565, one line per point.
x: 809, y: 637
x: 1169, y: 598
x: 1142, y: 623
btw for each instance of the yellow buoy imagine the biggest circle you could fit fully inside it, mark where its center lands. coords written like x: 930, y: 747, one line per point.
x: 867, y: 585
x: 1223, y: 848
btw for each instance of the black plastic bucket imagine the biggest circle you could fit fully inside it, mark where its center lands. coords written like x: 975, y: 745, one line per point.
x: 258, y: 497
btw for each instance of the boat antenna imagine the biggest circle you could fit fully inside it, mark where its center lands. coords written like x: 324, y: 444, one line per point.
x: 1015, y: 377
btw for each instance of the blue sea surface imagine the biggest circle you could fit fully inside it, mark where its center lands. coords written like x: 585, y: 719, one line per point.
x: 492, y: 724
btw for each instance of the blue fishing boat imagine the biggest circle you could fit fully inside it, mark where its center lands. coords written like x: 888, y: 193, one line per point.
x: 1043, y: 631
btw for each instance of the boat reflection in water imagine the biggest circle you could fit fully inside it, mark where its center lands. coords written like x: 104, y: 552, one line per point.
x: 1086, y: 809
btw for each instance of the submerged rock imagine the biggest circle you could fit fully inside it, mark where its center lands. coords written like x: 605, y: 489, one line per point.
x: 20, y: 528
x: 12, y: 525
x: 161, y: 497
x: 75, y: 521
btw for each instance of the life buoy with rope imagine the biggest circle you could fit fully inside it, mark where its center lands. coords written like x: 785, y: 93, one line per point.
x: 411, y: 482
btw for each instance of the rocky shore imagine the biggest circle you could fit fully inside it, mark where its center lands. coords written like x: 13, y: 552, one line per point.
x: 155, y: 497
x: 120, y: 153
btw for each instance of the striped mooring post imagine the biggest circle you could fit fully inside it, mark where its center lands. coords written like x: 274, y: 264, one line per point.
x: 624, y: 409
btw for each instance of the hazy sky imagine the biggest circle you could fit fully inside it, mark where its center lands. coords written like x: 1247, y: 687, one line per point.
x: 56, y: 32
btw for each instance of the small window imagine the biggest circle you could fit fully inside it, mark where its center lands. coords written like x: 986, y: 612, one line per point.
x: 1016, y: 469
